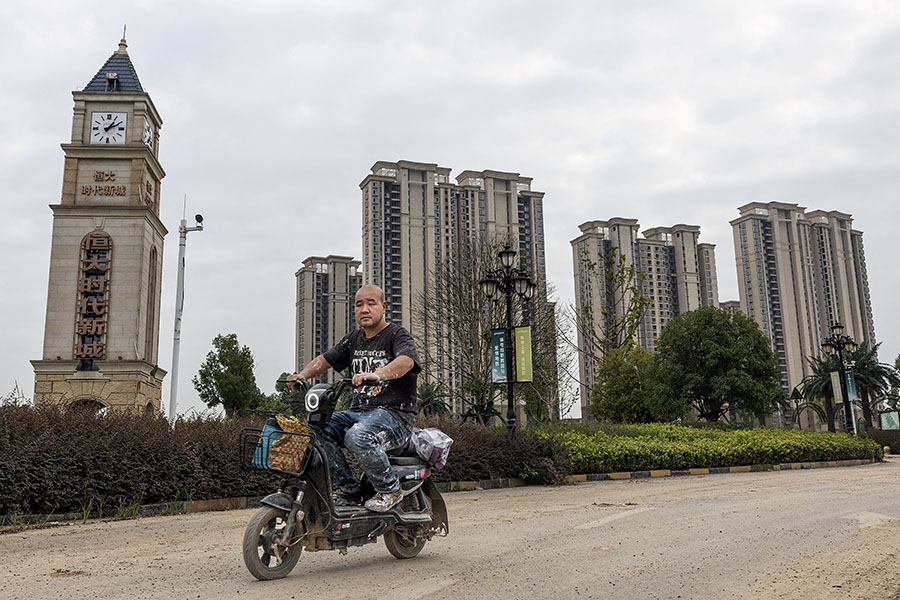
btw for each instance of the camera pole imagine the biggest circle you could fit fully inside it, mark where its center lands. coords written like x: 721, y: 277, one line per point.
x: 183, y: 230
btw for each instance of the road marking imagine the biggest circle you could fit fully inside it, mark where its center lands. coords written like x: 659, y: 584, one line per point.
x: 426, y: 588
x: 615, y: 517
x: 870, y: 519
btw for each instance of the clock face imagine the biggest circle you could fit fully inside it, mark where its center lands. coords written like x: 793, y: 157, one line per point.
x: 148, y: 135
x: 108, y: 127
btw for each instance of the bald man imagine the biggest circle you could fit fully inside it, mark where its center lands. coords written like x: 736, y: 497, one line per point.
x: 384, y: 366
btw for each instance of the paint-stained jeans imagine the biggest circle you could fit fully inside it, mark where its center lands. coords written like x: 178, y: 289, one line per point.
x: 368, y: 434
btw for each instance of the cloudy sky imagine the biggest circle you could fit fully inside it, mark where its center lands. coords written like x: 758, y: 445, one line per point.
x: 274, y: 111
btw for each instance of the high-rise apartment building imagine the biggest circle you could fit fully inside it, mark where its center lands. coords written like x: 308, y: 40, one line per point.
x: 326, y: 288
x: 415, y: 216
x: 798, y: 273
x: 675, y: 271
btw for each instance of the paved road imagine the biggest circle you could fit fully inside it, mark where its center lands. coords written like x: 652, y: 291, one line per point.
x: 822, y: 533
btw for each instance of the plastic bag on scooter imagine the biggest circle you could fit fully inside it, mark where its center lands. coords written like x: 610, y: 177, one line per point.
x: 432, y: 445
x: 270, y: 433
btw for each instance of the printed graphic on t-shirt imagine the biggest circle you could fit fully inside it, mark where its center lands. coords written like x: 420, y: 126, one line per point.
x: 368, y: 361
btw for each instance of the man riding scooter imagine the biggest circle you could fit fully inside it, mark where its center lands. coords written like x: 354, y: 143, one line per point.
x: 384, y: 367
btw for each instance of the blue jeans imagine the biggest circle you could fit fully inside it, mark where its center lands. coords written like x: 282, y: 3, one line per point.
x: 368, y: 434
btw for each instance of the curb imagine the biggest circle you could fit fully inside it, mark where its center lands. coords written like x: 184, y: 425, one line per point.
x: 145, y: 510
x: 195, y: 506
x: 825, y: 464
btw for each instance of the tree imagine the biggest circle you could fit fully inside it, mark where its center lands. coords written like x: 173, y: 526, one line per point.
x: 816, y: 387
x: 874, y: 380
x: 549, y: 395
x: 627, y: 391
x: 893, y: 395
x: 15, y: 397
x: 615, y: 322
x: 283, y: 400
x: 226, y: 376
x: 431, y: 401
x: 716, y: 359
x: 455, y: 342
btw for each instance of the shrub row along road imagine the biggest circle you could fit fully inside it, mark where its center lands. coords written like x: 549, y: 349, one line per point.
x: 822, y: 533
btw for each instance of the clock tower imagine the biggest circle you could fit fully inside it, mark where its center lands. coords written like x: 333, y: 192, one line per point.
x: 101, y: 334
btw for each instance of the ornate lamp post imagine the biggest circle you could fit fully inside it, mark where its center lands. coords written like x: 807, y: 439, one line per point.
x: 502, y: 283
x: 838, y: 343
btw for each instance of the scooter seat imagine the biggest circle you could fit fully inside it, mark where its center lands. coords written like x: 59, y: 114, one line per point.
x: 407, y: 461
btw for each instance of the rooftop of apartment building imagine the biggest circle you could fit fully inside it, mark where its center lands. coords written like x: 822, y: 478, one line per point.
x: 662, y: 235
x: 388, y: 171
x: 762, y: 210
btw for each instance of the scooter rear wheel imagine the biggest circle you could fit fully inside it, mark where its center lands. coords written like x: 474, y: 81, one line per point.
x: 401, y: 547
x: 259, y: 547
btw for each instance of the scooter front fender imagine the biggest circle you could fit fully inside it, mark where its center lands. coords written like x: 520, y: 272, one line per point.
x: 278, y: 500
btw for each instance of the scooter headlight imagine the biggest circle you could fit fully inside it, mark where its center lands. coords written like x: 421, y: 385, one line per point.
x: 313, y: 400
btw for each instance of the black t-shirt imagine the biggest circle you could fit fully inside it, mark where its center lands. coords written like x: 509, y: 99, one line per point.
x: 365, y: 355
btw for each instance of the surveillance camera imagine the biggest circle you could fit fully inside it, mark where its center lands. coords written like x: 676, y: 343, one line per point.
x: 198, y: 218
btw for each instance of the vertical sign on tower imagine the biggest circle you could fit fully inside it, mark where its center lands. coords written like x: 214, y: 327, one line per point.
x: 93, y: 296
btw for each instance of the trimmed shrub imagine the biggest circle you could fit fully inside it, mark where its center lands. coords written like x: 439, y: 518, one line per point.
x: 480, y: 452
x: 598, y: 448
x: 55, y: 460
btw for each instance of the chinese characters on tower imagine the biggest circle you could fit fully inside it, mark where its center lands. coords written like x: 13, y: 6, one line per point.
x: 93, y: 296
x: 104, y: 185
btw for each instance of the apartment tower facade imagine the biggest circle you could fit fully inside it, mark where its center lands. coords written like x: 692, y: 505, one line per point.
x: 799, y: 272
x: 675, y: 271
x: 415, y: 216
x: 326, y: 288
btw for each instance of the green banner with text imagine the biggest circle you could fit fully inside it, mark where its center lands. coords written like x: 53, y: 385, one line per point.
x: 836, y: 387
x: 498, y: 355
x: 523, y: 354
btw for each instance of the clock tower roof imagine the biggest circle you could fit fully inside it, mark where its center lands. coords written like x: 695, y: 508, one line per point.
x: 117, y: 74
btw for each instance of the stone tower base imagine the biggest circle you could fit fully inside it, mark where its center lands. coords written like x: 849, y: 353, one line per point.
x: 120, y: 385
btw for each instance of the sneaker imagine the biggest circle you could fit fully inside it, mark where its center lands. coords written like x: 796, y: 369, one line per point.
x: 342, y: 498
x: 384, y: 502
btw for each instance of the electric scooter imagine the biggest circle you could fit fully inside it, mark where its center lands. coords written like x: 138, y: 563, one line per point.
x: 302, y: 514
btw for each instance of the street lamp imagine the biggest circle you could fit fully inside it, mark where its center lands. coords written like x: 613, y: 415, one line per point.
x: 502, y: 283
x: 183, y: 230
x: 838, y: 343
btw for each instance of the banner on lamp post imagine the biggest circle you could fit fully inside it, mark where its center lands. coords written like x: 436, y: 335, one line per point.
x: 523, y: 354
x: 498, y: 356
x: 852, y: 394
x: 836, y: 387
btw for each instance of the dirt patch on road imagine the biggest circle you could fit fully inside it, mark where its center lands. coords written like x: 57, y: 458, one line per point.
x: 865, y: 569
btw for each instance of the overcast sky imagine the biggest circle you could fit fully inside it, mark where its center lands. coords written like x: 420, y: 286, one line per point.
x: 274, y: 112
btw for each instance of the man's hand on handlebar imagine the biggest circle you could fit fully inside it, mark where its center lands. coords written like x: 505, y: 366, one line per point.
x: 296, y: 383
x: 360, y: 378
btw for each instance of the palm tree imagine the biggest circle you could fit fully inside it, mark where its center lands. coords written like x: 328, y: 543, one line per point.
x: 873, y: 380
x: 818, y: 384
x: 431, y: 403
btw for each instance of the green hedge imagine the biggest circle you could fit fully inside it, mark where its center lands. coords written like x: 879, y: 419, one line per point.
x: 54, y: 460
x: 620, y: 448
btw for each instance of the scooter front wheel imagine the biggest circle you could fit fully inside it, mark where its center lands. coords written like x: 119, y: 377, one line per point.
x: 264, y: 556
